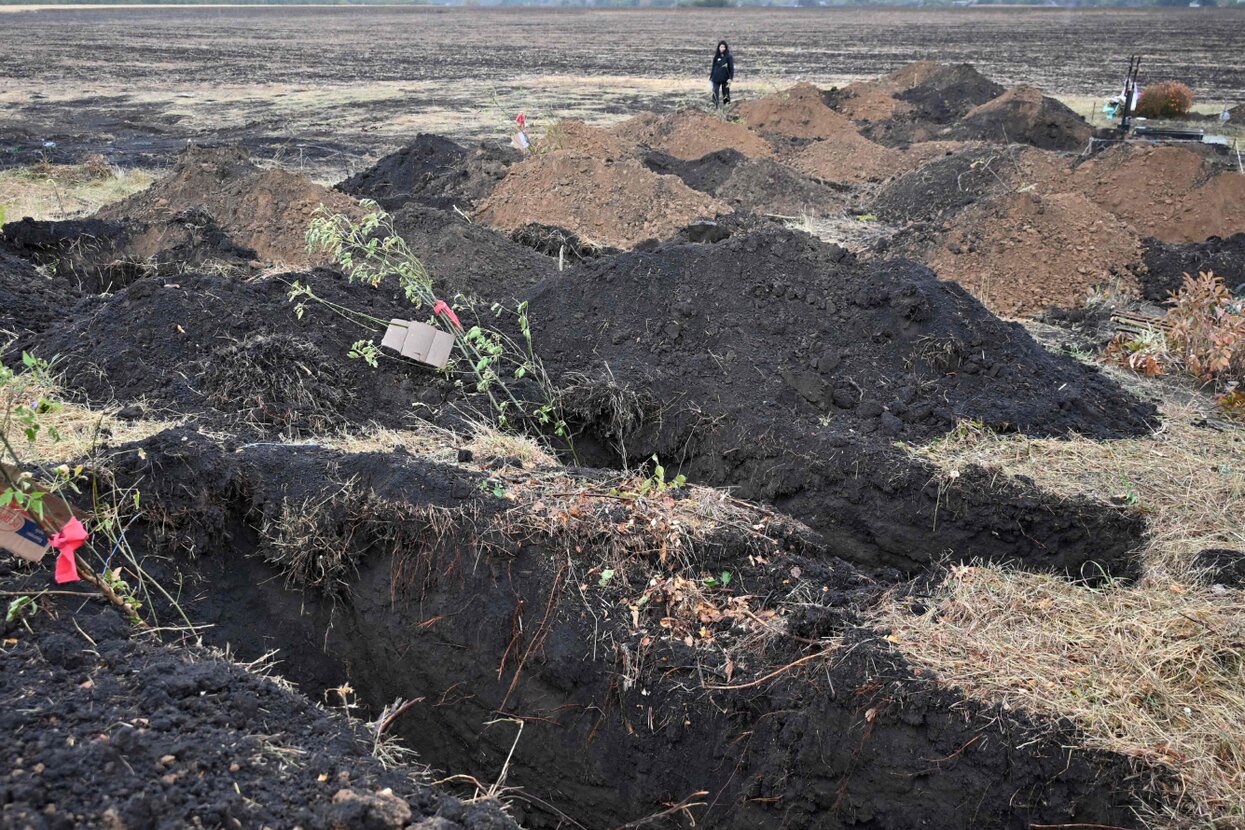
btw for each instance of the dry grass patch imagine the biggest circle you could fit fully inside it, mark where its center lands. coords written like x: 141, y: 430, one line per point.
x: 428, y: 441
x: 1156, y: 669
x: 66, y: 191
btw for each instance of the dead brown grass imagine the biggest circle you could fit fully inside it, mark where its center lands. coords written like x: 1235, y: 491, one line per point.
x: 66, y: 191
x: 1155, y: 669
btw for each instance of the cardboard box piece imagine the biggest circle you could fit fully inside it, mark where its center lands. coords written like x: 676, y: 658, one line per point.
x: 419, y: 341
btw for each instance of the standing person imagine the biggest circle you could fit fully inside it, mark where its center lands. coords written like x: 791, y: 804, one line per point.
x: 722, y: 73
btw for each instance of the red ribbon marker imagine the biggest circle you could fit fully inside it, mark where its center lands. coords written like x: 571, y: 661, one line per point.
x: 443, y: 307
x: 71, y: 537
x: 521, y: 120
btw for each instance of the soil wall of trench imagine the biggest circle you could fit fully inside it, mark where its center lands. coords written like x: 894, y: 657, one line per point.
x: 821, y: 724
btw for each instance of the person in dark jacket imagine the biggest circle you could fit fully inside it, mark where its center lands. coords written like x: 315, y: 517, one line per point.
x: 722, y: 73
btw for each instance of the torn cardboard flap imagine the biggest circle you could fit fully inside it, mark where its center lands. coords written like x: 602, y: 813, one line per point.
x: 419, y: 341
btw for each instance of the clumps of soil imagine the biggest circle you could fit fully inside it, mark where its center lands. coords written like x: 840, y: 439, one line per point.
x: 857, y: 354
x: 761, y: 186
x: 31, y: 299
x: 941, y: 93
x: 575, y: 136
x: 1023, y: 115
x: 278, y: 380
x: 1022, y: 253
x: 433, y: 171
x: 182, y: 737
x: 798, y: 112
x: 1166, y: 264
x: 691, y: 134
x: 267, y: 211
x: 201, y: 347
x: 107, y: 255
x: 621, y: 204
x: 1221, y: 566
x: 1177, y: 194
x: 849, y: 158
x: 941, y: 188
x: 467, y: 258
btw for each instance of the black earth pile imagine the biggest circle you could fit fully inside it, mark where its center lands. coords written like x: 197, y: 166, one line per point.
x: 1023, y: 115
x: 32, y: 300
x: 105, y: 255
x: 761, y: 185
x: 104, y: 728
x: 433, y: 171
x: 1222, y: 566
x: 448, y: 597
x: 470, y: 259
x: 940, y: 189
x: 695, y: 347
x: 235, y: 351
x: 1166, y: 264
x: 949, y: 93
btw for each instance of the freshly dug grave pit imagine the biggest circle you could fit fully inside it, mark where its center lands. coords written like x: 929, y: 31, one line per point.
x: 798, y: 112
x: 1022, y: 253
x: 620, y: 204
x: 234, y: 352
x: 1176, y: 194
x: 559, y: 244
x: 265, y: 210
x: 1023, y: 115
x: 469, y: 259
x: 1165, y: 265
x: 433, y: 171
x: 103, y: 256
x: 695, y: 349
x: 678, y: 648
x: 760, y: 186
x: 109, y: 728
x: 691, y: 134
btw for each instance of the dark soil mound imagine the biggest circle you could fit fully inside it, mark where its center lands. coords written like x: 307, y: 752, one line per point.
x: 758, y: 185
x: 559, y: 243
x: 182, y: 738
x: 267, y: 211
x: 235, y: 351
x: 470, y: 259
x: 450, y: 598
x: 853, y: 355
x: 433, y: 171
x: 106, y: 255
x: 31, y: 300
x: 948, y: 92
x: 940, y: 188
x: 1023, y: 115
x: 1222, y: 566
x: 1167, y: 263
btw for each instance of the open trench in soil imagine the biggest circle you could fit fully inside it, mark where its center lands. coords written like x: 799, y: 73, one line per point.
x: 642, y: 677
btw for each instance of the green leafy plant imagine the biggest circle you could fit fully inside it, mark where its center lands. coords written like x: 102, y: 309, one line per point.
x: 19, y: 607
x: 369, y: 251
x: 656, y: 484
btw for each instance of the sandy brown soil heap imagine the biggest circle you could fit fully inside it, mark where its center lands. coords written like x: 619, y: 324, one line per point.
x: 870, y: 101
x: 1024, y: 115
x: 1022, y: 253
x: 798, y: 112
x: 1172, y: 193
x: 265, y: 210
x: 619, y: 204
x: 575, y: 136
x: 691, y: 134
x: 848, y: 158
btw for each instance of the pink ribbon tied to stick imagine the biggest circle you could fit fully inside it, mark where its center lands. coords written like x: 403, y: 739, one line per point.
x: 521, y: 120
x: 71, y: 537
x: 442, y: 307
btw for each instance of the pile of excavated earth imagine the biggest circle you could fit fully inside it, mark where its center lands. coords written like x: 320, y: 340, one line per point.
x: 549, y: 620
